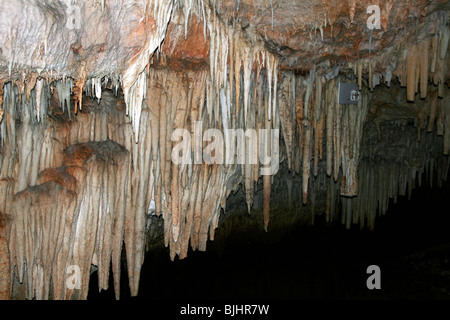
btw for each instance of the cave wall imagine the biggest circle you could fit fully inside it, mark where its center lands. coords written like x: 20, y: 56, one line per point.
x: 88, y: 123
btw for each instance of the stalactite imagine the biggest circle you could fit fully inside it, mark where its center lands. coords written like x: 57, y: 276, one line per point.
x: 353, y: 128
x: 64, y: 89
x: 105, y: 171
x: 444, y: 43
x: 337, y: 140
x: 330, y: 113
x: 39, y: 86
x: 360, y: 67
x: 411, y: 66
x: 287, y: 119
x: 381, y: 180
x: 5, y: 277
x: 266, y: 178
x: 133, y: 78
x: 2, y: 84
x: 352, y: 9
x: 78, y: 94
x: 424, y: 68
x: 446, y: 111
x: 306, y: 160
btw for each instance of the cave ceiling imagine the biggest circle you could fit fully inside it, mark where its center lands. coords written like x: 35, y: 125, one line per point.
x: 92, y: 92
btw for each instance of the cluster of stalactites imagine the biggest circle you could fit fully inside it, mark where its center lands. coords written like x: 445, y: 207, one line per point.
x: 29, y: 100
x: 433, y: 114
x: 314, y: 124
x: 241, y: 85
x: 230, y: 53
x: 416, y: 62
x: 422, y: 70
x: 132, y: 78
x: 190, y: 196
x: 382, y: 180
x: 311, y: 121
x: 426, y: 60
x: 68, y: 188
x: 238, y: 83
x: 29, y: 105
x: 86, y: 206
x: 72, y: 218
x: 243, y: 89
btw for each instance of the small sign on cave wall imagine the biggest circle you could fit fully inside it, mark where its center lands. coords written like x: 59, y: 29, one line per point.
x: 348, y: 93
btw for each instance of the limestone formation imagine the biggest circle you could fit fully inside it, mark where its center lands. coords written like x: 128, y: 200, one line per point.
x: 92, y: 94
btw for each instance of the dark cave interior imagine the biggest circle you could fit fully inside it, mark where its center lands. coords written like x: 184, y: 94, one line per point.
x: 221, y: 150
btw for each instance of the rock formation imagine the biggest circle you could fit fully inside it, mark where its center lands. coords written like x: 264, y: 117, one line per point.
x: 110, y: 112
